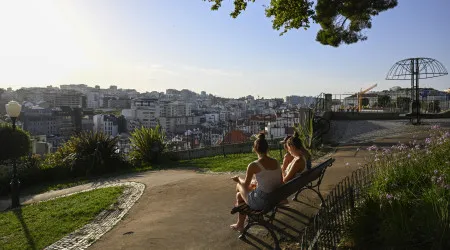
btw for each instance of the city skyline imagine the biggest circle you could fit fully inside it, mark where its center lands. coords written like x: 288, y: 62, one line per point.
x: 159, y: 45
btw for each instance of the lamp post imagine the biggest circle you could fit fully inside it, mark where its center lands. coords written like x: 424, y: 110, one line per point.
x: 13, y: 109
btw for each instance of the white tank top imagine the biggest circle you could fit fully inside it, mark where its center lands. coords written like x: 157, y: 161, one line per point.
x: 268, y: 180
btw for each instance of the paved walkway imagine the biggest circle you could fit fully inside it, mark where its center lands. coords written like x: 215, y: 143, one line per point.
x: 182, y: 209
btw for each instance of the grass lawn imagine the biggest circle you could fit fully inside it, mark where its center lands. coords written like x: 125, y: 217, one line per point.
x: 233, y: 162
x: 230, y: 163
x: 39, y: 225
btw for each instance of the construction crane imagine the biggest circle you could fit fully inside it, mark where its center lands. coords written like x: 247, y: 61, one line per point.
x: 361, y: 93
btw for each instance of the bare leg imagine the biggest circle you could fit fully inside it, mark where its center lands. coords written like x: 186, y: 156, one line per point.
x: 241, y: 196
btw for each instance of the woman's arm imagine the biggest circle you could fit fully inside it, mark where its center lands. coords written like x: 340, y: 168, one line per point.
x: 286, y: 160
x: 251, y: 170
x: 298, y: 167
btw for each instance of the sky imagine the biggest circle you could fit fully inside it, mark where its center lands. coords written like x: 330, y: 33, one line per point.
x: 153, y: 45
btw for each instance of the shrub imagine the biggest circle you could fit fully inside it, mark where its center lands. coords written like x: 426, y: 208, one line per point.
x: 86, y: 154
x: 408, y: 203
x: 147, y: 144
x: 306, y: 132
x: 13, y: 144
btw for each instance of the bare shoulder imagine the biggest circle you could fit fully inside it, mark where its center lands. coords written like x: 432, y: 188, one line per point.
x: 288, y: 156
x: 253, y: 167
x: 252, y: 164
x: 273, y: 163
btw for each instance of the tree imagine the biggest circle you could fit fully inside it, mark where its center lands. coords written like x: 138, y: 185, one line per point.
x: 147, y: 145
x: 86, y: 154
x: 384, y: 100
x: 434, y: 106
x: 14, y: 143
x: 365, y: 101
x: 403, y: 102
x: 341, y: 21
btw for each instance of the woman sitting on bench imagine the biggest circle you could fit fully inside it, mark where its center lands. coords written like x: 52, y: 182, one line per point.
x: 287, y: 158
x: 302, y: 158
x: 268, y: 176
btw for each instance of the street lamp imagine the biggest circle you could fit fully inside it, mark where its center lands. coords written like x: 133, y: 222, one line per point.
x: 13, y: 109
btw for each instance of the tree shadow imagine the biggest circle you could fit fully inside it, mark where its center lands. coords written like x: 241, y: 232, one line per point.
x: 18, y: 213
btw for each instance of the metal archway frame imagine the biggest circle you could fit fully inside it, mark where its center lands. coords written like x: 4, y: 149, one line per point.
x: 414, y: 69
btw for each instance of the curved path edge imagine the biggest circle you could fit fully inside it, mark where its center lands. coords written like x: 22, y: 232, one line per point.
x: 84, y: 237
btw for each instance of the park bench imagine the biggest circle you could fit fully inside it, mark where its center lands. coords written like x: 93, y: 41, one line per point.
x: 310, y: 179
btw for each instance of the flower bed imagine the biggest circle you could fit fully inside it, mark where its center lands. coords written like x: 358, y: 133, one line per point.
x: 408, y: 203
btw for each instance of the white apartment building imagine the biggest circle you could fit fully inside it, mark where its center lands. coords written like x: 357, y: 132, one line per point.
x: 224, y: 116
x: 40, y: 146
x: 145, y: 111
x: 149, y: 112
x: 107, y: 124
x: 212, y: 118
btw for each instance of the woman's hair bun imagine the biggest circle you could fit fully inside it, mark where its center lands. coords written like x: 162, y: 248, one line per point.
x: 261, y: 136
x: 296, y: 134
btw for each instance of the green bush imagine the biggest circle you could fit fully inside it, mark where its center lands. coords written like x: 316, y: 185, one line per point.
x: 28, y: 169
x: 408, y: 204
x: 147, y: 145
x: 13, y: 144
x: 86, y: 154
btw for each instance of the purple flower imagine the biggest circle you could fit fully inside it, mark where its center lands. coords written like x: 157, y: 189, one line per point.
x: 409, y: 155
x: 389, y: 196
x: 417, y: 147
x: 435, y: 127
x: 435, y: 171
x: 428, y: 140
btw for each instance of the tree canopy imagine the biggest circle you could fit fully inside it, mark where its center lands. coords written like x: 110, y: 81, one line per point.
x: 341, y: 21
x: 14, y: 143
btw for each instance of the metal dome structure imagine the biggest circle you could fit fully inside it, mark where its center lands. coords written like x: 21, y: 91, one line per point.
x: 414, y: 69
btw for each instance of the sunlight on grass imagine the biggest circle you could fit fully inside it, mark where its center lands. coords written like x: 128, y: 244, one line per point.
x: 230, y: 163
x: 39, y: 225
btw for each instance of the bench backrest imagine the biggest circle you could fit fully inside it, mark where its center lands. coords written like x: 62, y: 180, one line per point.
x: 292, y: 186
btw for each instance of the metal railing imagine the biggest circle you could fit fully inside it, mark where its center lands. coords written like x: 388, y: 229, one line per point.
x: 326, y: 228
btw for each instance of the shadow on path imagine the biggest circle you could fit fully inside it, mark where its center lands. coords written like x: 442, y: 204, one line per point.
x: 18, y: 214
x: 288, y: 225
